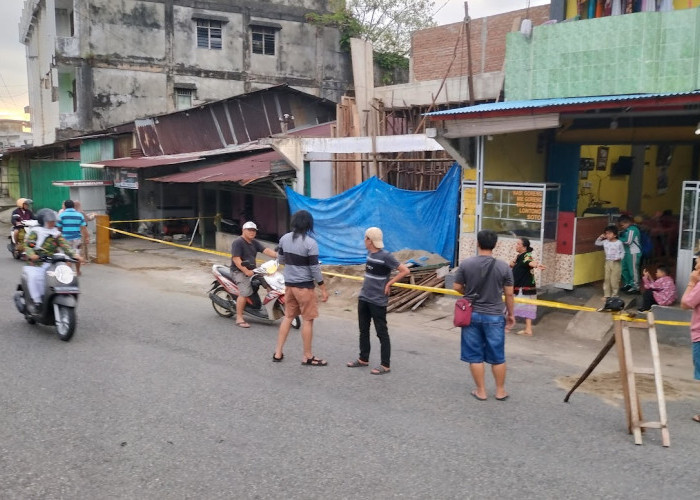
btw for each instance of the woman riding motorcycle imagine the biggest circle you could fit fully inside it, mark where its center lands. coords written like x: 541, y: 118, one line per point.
x: 43, y: 240
x: 22, y: 212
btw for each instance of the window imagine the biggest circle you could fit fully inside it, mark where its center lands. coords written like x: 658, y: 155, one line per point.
x: 209, y: 34
x: 263, y: 40
x: 183, y: 98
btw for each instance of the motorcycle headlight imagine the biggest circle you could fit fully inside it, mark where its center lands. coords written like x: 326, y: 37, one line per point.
x: 64, y: 274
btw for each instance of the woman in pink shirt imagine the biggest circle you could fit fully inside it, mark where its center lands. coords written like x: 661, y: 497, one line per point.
x: 691, y: 300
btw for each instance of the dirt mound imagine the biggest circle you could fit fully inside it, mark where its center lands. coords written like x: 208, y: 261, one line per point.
x: 609, y: 386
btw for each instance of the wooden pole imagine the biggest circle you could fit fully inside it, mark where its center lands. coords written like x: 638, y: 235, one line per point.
x: 102, y: 237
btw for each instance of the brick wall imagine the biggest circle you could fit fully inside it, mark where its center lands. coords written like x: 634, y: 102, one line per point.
x: 432, y: 48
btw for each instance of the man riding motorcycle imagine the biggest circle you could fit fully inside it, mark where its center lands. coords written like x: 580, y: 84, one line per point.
x: 19, y: 214
x: 43, y: 240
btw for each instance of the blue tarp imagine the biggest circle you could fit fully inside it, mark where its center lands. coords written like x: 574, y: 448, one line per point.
x: 416, y: 220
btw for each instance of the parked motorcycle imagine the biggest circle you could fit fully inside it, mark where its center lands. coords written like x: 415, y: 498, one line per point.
x: 16, y: 244
x: 60, y: 297
x: 267, y: 277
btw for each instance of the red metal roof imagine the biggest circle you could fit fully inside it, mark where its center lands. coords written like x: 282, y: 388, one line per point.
x: 242, y: 170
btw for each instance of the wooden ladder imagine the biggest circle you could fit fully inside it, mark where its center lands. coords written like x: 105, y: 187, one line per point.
x: 628, y: 371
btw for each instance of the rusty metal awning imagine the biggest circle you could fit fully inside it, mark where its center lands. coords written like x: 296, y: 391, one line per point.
x: 157, y: 161
x: 242, y: 170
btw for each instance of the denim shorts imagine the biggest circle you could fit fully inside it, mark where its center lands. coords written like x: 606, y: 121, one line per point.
x: 484, y: 340
x: 696, y: 359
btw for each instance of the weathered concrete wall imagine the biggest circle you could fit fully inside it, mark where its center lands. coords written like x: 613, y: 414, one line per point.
x: 129, y: 56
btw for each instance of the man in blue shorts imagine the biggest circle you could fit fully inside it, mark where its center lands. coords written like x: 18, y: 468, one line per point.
x: 484, y: 279
x: 73, y: 227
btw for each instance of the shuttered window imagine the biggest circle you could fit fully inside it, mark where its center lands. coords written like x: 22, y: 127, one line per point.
x: 183, y: 98
x: 209, y: 34
x: 263, y: 40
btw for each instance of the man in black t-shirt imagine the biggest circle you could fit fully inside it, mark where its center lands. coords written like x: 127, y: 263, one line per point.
x: 243, y: 253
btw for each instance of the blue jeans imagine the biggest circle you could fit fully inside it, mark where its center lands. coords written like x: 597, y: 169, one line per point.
x: 484, y: 340
x: 696, y: 359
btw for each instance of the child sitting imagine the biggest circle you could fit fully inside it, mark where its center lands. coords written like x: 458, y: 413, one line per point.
x: 661, y: 291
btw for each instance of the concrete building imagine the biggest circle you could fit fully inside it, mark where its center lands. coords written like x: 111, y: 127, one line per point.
x: 93, y: 64
x: 13, y: 134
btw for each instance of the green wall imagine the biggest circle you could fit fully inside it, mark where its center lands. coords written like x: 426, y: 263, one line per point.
x: 43, y: 173
x: 646, y: 52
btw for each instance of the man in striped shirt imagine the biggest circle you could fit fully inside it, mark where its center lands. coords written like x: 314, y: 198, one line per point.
x: 73, y: 227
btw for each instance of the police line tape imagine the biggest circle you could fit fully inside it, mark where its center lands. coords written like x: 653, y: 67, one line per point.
x: 431, y: 289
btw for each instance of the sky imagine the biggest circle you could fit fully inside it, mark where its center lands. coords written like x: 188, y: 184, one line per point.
x: 13, y: 73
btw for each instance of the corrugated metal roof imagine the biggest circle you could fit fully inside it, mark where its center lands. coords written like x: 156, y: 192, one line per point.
x: 241, y: 170
x: 156, y: 161
x: 553, y: 103
x: 235, y: 120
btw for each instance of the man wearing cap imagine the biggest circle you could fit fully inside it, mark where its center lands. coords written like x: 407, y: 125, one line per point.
x: 243, y: 253
x: 374, y: 297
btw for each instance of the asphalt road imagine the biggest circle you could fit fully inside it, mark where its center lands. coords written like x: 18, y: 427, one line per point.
x: 157, y: 397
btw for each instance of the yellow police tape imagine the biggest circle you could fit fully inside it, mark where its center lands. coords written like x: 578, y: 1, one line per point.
x: 432, y: 289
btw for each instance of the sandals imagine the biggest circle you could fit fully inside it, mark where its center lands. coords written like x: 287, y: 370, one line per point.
x: 242, y: 324
x: 275, y: 359
x: 357, y: 364
x: 380, y: 370
x: 696, y: 418
x: 314, y: 361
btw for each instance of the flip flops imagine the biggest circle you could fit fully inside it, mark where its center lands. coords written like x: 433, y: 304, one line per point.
x: 275, y: 359
x: 475, y: 396
x: 314, y: 361
x: 242, y: 324
x: 696, y: 418
x: 356, y: 364
x: 380, y: 370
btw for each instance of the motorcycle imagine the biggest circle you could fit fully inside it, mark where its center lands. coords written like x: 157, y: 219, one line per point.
x: 16, y: 244
x: 60, y: 297
x: 269, y: 308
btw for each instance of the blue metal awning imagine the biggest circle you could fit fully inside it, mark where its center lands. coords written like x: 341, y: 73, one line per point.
x: 539, y: 104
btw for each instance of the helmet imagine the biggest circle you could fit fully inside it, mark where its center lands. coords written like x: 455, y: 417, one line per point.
x: 22, y: 201
x: 45, y: 215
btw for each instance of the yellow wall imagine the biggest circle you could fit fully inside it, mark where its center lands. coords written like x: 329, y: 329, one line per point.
x: 589, y: 267
x: 614, y: 189
x: 677, y: 4
x: 514, y: 158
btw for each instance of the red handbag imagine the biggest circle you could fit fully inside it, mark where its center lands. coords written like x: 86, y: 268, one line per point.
x: 463, y: 306
x: 463, y: 312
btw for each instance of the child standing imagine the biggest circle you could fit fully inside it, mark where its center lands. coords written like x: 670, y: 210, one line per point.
x: 631, y: 240
x: 661, y: 291
x: 614, y: 253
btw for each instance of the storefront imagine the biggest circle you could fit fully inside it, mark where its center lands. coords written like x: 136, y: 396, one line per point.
x: 602, y: 155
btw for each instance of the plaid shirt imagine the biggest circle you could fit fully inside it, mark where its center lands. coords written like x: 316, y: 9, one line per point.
x: 663, y: 289
x: 51, y: 245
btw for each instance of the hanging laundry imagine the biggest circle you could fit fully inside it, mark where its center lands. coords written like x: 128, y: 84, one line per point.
x: 629, y: 6
x: 607, y: 8
x: 616, y: 9
x: 591, y: 9
x: 667, y: 5
x: 599, y: 8
x: 580, y: 7
x: 648, y: 6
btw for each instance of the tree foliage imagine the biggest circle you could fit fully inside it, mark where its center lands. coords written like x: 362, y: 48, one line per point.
x: 388, y: 24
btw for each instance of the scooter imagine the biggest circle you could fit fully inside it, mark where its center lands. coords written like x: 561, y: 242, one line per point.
x: 268, y: 309
x: 16, y: 244
x: 60, y: 297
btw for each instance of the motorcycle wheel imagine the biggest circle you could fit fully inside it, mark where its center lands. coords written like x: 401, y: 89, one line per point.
x: 65, y: 323
x: 223, y: 295
x: 296, y: 322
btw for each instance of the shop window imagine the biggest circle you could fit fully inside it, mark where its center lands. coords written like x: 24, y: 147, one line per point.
x: 209, y: 34
x: 183, y: 98
x: 263, y: 40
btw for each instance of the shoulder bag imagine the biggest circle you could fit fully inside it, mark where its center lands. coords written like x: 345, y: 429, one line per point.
x: 463, y: 306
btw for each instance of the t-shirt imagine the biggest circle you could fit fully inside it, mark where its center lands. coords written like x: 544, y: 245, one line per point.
x: 69, y: 222
x: 614, y: 250
x: 693, y: 300
x: 299, y: 255
x: 377, y: 273
x: 246, y: 251
x: 523, y: 274
x: 486, y: 294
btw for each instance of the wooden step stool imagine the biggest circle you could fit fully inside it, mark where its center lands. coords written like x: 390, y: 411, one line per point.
x: 628, y: 371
